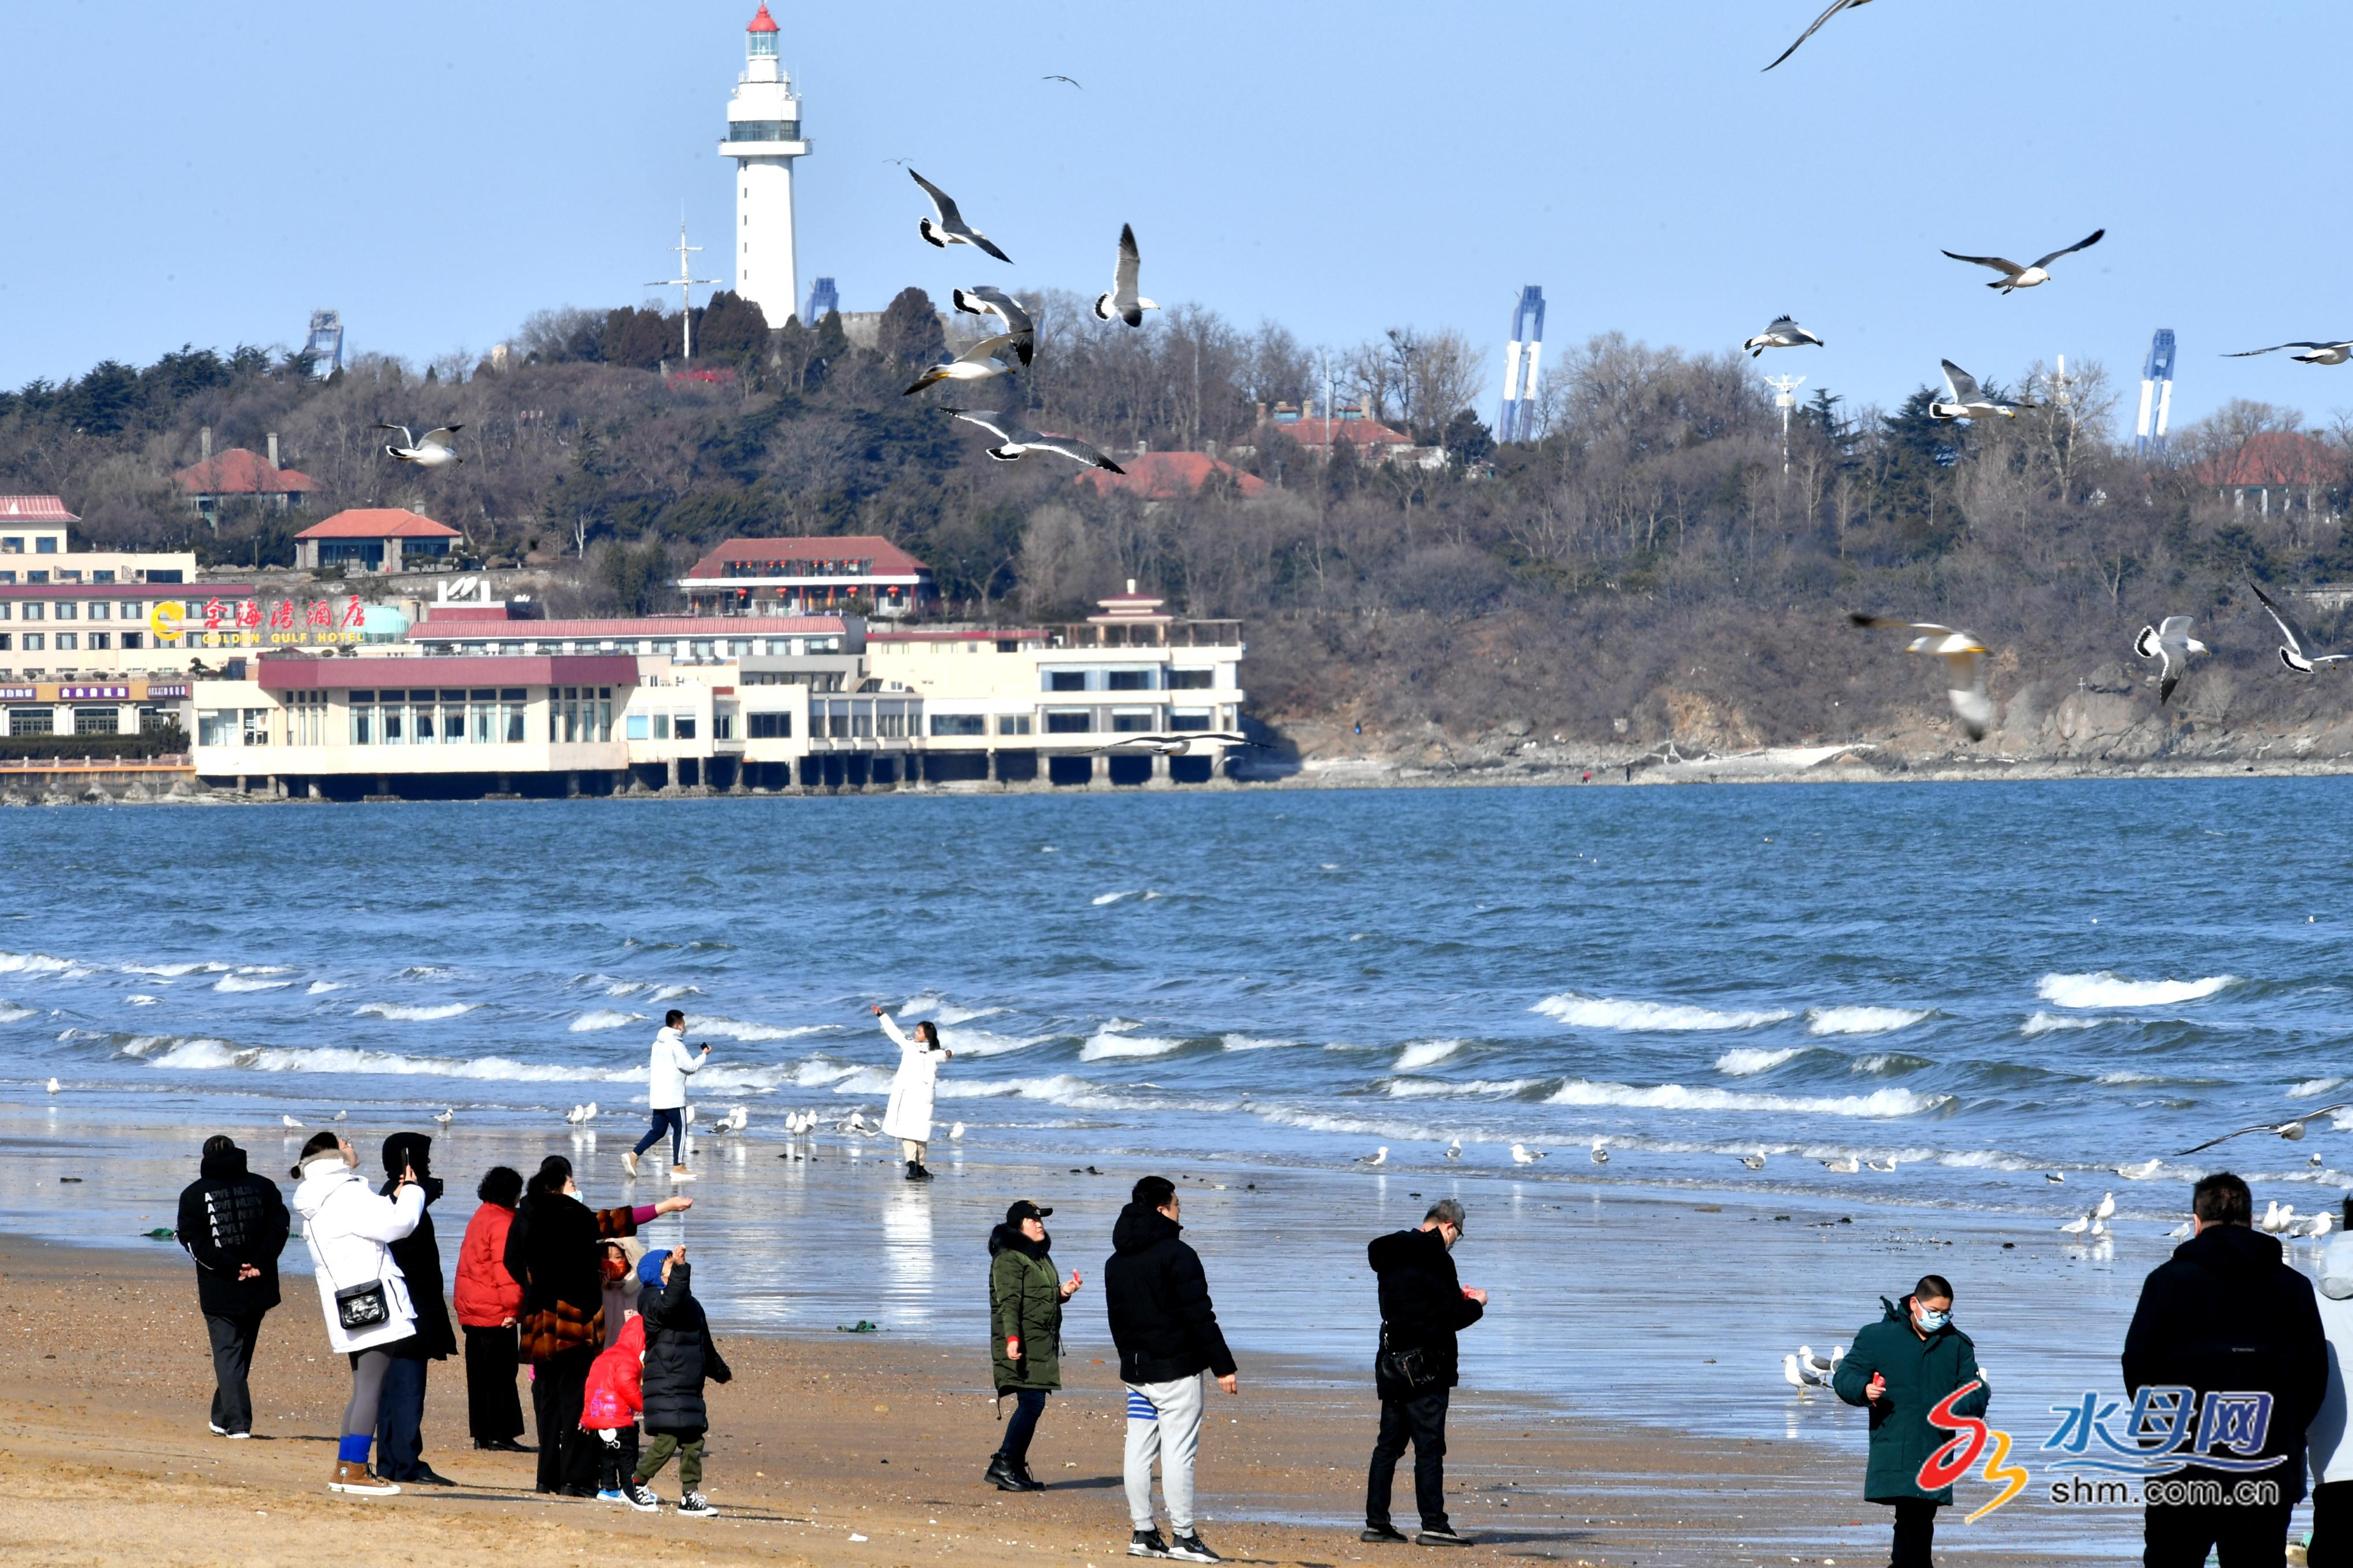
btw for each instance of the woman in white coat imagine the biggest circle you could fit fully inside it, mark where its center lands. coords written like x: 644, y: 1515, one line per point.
x: 360, y: 1290
x: 908, y: 1117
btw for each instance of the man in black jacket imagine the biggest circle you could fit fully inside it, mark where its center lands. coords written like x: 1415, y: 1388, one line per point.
x: 234, y: 1225
x: 2227, y: 1316
x: 400, y: 1414
x: 1423, y: 1306
x: 1167, y: 1335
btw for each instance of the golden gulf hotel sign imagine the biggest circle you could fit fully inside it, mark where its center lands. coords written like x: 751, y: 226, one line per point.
x: 257, y: 623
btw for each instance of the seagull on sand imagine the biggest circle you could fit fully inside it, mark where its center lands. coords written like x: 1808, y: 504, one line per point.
x: 1790, y: 1372
x: 983, y: 299
x: 1014, y: 439
x: 2182, y: 1232
x: 1964, y: 657
x: 1523, y: 1155
x: 53, y: 1085
x: 1754, y: 1162
x: 2107, y: 1206
x: 1377, y: 1156
x: 949, y: 228
x: 2299, y: 653
x: 341, y: 1116
x: 1820, y: 1369
x: 578, y: 1114
x: 448, y: 1115
x: 955, y: 1132
x: 2314, y: 352
x: 1454, y: 1150
x: 1964, y: 400
x: 1843, y: 1166
x: 2140, y: 1172
x: 2014, y: 276
x: 1836, y: 6
x: 432, y: 451
x: 977, y: 363
x: 1783, y: 333
x: 2169, y: 642
x: 2276, y: 1218
x: 1123, y: 301
x: 2077, y: 1226
x: 2291, y: 1130
x: 290, y: 1123
x: 2313, y: 1227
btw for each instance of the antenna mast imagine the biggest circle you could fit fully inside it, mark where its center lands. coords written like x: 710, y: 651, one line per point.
x: 684, y: 282
x: 1785, y: 397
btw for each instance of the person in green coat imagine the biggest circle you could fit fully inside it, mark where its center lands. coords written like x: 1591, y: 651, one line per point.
x: 1025, y: 1312
x: 1900, y: 1368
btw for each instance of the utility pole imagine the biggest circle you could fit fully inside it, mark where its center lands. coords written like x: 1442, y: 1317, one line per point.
x: 685, y: 283
x: 1785, y: 397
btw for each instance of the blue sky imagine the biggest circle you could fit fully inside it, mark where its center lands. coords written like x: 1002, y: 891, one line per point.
x: 209, y: 174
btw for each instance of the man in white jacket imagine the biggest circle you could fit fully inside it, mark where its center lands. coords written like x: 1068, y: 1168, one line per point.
x: 666, y: 1094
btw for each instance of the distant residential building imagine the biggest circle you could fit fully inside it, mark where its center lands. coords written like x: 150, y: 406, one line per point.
x: 238, y: 474
x: 808, y: 577
x: 1171, y: 476
x: 2273, y: 461
x: 375, y: 539
x: 1371, y: 440
x: 91, y: 640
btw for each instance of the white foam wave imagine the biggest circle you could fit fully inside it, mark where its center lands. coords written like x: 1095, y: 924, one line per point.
x: 736, y: 1029
x: 2043, y: 1022
x: 1106, y: 1045
x: 1102, y: 899
x: 603, y: 1018
x: 672, y: 992
x: 1675, y: 1096
x: 1426, y: 1052
x: 11, y: 1011
x: 38, y: 964
x: 2106, y: 989
x: 320, y: 988
x: 239, y: 982
x: 406, y: 1014
x: 624, y: 987
x: 1608, y: 1012
x: 1064, y: 1090
x: 1746, y: 1063
x: 222, y: 1054
x: 1468, y: 1088
x: 2311, y: 1086
x: 265, y: 968
x: 951, y: 1014
x: 133, y: 1001
x: 1875, y: 1065
x: 1863, y: 1020
x: 2123, y: 1077
x: 981, y: 1043
x: 165, y: 971
x: 1252, y: 1043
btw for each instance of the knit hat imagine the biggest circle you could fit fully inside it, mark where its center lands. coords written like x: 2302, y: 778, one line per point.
x: 650, y: 1267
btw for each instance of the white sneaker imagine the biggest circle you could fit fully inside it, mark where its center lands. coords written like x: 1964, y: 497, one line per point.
x: 629, y: 1164
x: 680, y: 1173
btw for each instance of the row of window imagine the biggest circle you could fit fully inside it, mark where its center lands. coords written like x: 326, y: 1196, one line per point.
x: 100, y: 577
x: 71, y: 642
x: 72, y: 609
x: 106, y: 720
x: 648, y: 648
x: 43, y: 545
x: 1135, y: 678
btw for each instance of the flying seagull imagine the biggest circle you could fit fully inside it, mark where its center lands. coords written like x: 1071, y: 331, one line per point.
x: 2014, y: 276
x: 1782, y: 332
x: 985, y: 300
x: 977, y: 363
x: 1964, y: 400
x: 2169, y: 643
x: 1178, y: 745
x: 2297, y: 652
x: 2291, y: 1130
x: 951, y: 228
x: 1836, y: 6
x: 1964, y: 657
x: 1014, y: 439
x: 1123, y: 301
x: 2054, y: 1177
x: 1073, y: 80
x: 432, y: 451
x: 2314, y: 352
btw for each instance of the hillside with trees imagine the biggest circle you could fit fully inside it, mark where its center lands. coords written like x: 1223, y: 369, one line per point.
x: 1647, y: 570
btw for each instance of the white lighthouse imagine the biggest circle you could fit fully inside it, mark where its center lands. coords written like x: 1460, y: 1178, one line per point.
x: 763, y: 137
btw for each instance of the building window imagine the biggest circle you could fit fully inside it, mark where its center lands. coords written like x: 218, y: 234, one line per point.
x: 362, y: 704
x: 306, y: 719
x: 154, y: 719
x: 1070, y: 721
x: 637, y: 730
x: 34, y: 642
x: 36, y: 610
x: 1013, y: 724
x: 69, y: 611
x: 7, y: 640
x: 214, y: 727
x: 45, y: 544
x: 32, y: 721
x: 257, y: 726
x: 453, y: 716
x: 1192, y: 680
x: 1132, y: 721
x: 1066, y: 680
x: 1189, y: 718
x: 723, y: 727
x: 97, y: 577
x: 134, y: 640
x: 682, y: 727
x: 5, y: 610
x: 101, y: 610
x: 769, y: 727
x: 98, y: 721
x: 101, y: 639
x: 959, y: 724
x: 1129, y: 680
x: 67, y: 641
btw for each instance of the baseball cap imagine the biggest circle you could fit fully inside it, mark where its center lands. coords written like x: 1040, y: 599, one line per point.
x: 1023, y: 1208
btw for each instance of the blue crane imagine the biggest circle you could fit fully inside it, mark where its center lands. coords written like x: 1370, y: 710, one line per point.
x: 2156, y: 394
x: 1520, y: 355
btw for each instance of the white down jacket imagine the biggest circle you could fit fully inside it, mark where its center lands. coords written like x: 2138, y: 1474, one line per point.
x: 351, y: 1230
x: 908, y: 1114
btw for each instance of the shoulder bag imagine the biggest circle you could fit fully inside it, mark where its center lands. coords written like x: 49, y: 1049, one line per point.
x: 358, y: 1306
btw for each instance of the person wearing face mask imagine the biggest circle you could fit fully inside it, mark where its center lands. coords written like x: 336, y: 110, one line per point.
x: 351, y: 1231
x: 1423, y: 1306
x: 1899, y: 1369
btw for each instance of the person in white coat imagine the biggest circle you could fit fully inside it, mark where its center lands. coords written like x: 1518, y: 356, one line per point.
x: 2328, y: 1446
x: 666, y: 1077
x: 351, y: 1231
x: 908, y: 1117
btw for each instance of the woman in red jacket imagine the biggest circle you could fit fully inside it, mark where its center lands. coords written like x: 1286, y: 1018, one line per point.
x: 490, y: 1305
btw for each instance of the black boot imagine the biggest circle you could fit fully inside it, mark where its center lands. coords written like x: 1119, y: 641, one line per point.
x: 1002, y: 1475
x: 1029, y: 1483
x: 915, y: 1172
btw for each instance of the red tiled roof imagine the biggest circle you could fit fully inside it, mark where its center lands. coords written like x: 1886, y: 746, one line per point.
x: 494, y: 670
x: 238, y: 471
x: 661, y: 628
x: 2272, y: 457
x: 1169, y: 476
x: 33, y: 509
x: 888, y: 560
x: 378, y: 523
x: 763, y: 23
x: 1363, y: 432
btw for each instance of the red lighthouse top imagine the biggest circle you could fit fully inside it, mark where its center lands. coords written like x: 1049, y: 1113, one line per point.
x: 763, y: 23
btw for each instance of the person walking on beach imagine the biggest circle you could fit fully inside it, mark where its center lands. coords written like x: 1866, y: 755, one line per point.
x: 1166, y: 1331
x: 553, y: 1250
x: 2227, y: 1316
x: 234, y: 1225
x: 1899, y: 1369
x: 681, y: 1356
x: 2328, y: 1447
x: 908, y: 1117
x: 1423, y: 1306
x: 666, y: 1077
x: 489, y: 1308
x: 1025, y: 1311
x: 400, y: 1417
x: 351, y: 1231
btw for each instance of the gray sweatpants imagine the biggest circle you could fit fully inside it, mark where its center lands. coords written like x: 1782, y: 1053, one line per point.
x: 1164, y: 1422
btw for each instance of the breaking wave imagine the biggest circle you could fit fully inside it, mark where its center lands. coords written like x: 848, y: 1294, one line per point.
x: 1106, y: 1046
x: 320, y: 988
x: 603, y: 1018
x: 2043, y: 1022
x: 981, y: 1043
x: 406, y: 1014
x: 2110, y: 990
x: 736, y: 1029
x: 1608, y: 1012
x: 1863, y: 1020
x: 1252, y: 1043
x: 165, y: 1051
x: 11, y: 1011
x: 1675, y: 1096
x: 240, y: 982
x: 1425, y: 1052
x: 1746, y: 1063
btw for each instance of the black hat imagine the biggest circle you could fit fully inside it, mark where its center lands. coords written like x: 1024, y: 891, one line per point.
x: 1023, y: 1208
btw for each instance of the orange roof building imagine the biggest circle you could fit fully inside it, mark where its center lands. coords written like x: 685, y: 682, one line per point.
x: 809, y: 575
x: 375, y: 539
x: 241, y: 472
x: 1171, y: 476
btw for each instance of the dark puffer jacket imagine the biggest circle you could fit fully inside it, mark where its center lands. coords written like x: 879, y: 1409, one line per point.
x: 680, y: 1352
x: 1158, y: 1299
x: 417, y: 1254
x: 552, y: 1252
x: 1025, y: 1302
x: 1422, y: 1305
x: 1919, y: 1372
x: 228, y: 1217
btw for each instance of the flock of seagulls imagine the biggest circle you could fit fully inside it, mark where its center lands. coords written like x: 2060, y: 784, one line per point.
x: 581, y: 1116
x: 1807, y: 1370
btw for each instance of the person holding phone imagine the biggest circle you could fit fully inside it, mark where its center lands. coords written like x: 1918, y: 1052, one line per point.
x: 351, y: 1231
x: 1423, y: 1306
x: 1025, y: 1308
x: 666, y: 1077
x: 908, y: 1117
x: 1900, y: 1369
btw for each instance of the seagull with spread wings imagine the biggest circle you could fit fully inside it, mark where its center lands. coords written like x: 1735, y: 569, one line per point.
x: 1836, y: 6
x: 948, y: 227
x: 1123, y: 301
x: 2314, y: 352
x: 2169, y: 642
x: 1964, y: 657
x: 2014, y: 276
x: 1782, y: 332
x: 977, y: 363
x: 1014, y: 439
x: 1178, y: 744
x: 984, y: 299
x: 2299, y: 653
x: 1964, y: 400
x: 2291, y: 1130
x: 1073, y: 80
x: 435, y: 450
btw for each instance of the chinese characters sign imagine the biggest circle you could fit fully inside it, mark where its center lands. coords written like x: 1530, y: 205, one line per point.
x: 257, y: 623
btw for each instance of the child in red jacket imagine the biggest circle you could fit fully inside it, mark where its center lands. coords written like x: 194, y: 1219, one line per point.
x: 609, y: 1408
